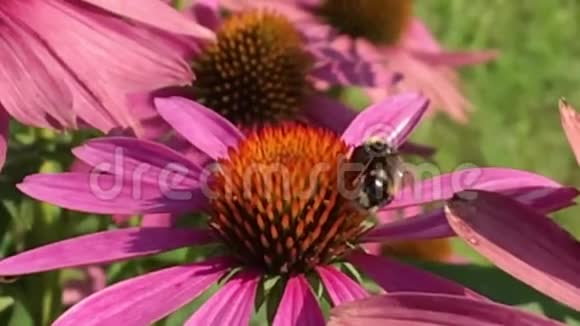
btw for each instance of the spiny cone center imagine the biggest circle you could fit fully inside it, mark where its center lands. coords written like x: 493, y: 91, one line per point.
x: 255, y: 72
x: 277, y: 203
x: 379, y: 21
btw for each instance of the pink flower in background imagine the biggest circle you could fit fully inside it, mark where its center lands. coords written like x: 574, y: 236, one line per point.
x: 384, y: 31
x: 262, y: 69
x: 267, y: 231
x: 93, y: 279
x: 571, y: 124
x: 431, y: 309
x: 68, y: 64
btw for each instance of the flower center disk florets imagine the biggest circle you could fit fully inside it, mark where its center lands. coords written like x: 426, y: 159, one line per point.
x: 379, y: 21
x: 255, y: 72
x: 276, y: 200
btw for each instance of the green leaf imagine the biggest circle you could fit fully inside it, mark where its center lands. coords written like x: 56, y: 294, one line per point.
x: 20, y: 316
x: 6, y: 302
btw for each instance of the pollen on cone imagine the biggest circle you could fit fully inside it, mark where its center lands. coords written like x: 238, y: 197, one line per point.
x: 276, y: 201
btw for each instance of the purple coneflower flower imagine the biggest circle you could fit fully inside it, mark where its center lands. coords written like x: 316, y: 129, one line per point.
x: 67, y: 64
x: 431, y: 309
x: 262, y: 209
x: 384, y: 31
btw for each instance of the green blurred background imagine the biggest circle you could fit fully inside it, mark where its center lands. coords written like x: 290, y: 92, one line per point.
x: 515, y: 124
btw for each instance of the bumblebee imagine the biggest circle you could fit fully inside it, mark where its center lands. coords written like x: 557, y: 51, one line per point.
x: 380, y: 174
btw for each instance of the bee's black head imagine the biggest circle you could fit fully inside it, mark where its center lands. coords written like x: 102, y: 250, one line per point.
x: 378, y: 148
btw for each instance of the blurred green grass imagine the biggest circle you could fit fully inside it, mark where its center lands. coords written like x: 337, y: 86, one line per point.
x: 516, y: 120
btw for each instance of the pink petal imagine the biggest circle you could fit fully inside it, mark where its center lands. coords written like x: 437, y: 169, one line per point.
x: 155, y: 13
x: 4, y: 133
x: 440, y: 84
x: 298, y: 306
x: 421, y: 42
x: 349, y: 64
x: 107, y: 194
x: 145, y: 299
x: 133, y: 158
x: 431, y: 309
x: 393, y: 120
x: 423, y: 45
x: 431, y: 225
x: 393, y: 277
x: 201, y: 126
x: 342, y: 60
x: 102, y: 247
x: 79, y: 166
x: 340, y: 287
x: 419, y: 37
x: 546, y: 200
x: 159, y: 220
x: 231, y: 305
x: 207, y: 13
x: 443, y: 187
x: 528, y: 245
x: 571, y: 124
x: 31, y: 92
x: 99, y: 57
x: 192, y: 153
x: 328, y: 113
x: 140, y: 104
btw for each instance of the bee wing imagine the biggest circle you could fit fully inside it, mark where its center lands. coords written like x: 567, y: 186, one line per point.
x: 408, y: 180
x: 404, y: 175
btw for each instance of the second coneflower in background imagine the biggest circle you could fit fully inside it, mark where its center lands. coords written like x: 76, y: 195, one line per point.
x: 385, y: 31
x: 260, y: 70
